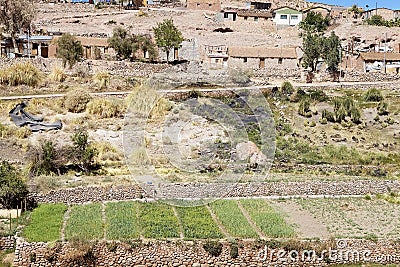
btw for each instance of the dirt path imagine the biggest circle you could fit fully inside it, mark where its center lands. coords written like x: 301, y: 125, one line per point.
x: 248, y: 218
x: 181, y: 235
x: 104, y: 219
x: 217, y: 221
x: 64, y: 225
x: 308, y: 226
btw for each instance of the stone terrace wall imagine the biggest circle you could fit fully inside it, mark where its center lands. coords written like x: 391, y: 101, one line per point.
x: 180, y: 253
x: 7, y: 242
x: 97, y: 194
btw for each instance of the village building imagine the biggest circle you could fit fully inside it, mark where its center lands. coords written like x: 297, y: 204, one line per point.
x: 254, y: 15
x: 210, y: 5
x: 262, y: 57
x: 230, y: 14
x: 216, y: 56
x: 324, y: 11
x: 374, y: 61
x: 386, y: 13
x: 258, y: 5
x: 286, y: 16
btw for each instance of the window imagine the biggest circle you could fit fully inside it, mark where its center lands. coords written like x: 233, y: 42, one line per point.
x: 255, y: 18
x: 283, y: 16
x: 225, y: 15
x: 209, y: 5
x: 245, y: 18
x: 294, y: 17
x: 280, y: 60
x: 245, y: 59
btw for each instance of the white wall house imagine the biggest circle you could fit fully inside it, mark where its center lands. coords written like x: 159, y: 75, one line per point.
x: 286, y: 16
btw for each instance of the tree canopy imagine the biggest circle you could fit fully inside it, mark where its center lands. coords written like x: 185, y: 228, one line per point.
x: 314, y: 23
x: 16, y: 17
x: 167, y: 36
x: 126, y: 45
x: 69, y: 49
x: 12, y: 188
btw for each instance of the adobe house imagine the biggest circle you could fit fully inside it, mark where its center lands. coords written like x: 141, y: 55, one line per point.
x: 319, y: 10
x: 210, y: 5
x: 262, y: 57
x: 254, y: 15
x: 386, y: 13
x: 216, y: 55
x: 93, y: 48
x: 230, y: 14
x: 287, y: 16
x: 34, y: 46
x: 373, y: 61
x: 258, y: 5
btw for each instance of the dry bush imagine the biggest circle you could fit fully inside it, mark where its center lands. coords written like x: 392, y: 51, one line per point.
x: 102, y: 79
x: 106, y: 108
x: 14, y: 131
x: 147, y: 102
x: 139, y: 157
x: 106, y: 152
x: 76, y: 100
x: 57, y: 74
x: 21, y: 73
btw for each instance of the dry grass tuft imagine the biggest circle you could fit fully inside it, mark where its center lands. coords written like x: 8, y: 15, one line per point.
x: 21, y: 74
x: 106, y: 108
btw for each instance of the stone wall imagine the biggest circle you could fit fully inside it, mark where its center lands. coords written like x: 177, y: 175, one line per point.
x: 181, y: 253
x: 197, y: 190
x: 7, y: 242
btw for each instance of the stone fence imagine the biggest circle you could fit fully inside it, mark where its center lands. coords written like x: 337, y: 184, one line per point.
x: 7, y: 242
x: 218, y: 190
x: 187, y: 253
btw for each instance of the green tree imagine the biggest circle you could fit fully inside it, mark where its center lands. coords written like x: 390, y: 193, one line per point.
x: 69, y: 49
x: 331, y: 52
x: 167, y: 36
x: 82, y: 151
x: 16, y: 17
x: 312, y: 48
x: 122, y: 42
x: 314, y: 23
x: 12, y: 188
x: 376, y: 20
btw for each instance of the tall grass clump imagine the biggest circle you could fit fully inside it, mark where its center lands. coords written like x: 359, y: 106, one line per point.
x: 76, y: 100
x: 304, y: 108
x: 57, y: 74
x: 287, y: 88
x: 147, y: 102
x: 21, y: 74
x: 102, y: 79
x: 105, y: 108
x: 373, y: 95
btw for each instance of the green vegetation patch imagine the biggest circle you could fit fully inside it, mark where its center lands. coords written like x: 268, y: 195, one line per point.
x: 85, y: 222
x: 271, y: 223
x: 122, y: 220
x: 233, y: 219
x: 158, y: 220
x: 46, y: 222
x: 198, y: 223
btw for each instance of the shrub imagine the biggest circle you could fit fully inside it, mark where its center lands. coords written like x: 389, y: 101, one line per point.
x: 69, y: 49
x: 147, y: 102
x: 373, y: 95
x: 83, y: 153
x: 318, y: 95
x: 287, y: 88
x: 340, y: 114
x: 76, y: 100
x: 21, y: 73
x: 102, y: 79
x: 383, y: 108
x: 105, y: 108
x: 57, y: 75
x: 355, y: 115
x: 13, y: 188
x: 214, y: 248
x: 328, y: 115
x: 240, y: 77
x: 304, y: 108
x: 43, y: 159
x: 323, y: 121
x: 234, y: 250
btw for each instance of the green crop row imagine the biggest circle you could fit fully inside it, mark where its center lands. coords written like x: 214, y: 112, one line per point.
x: 122, y: 222
x: 85, y: 222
